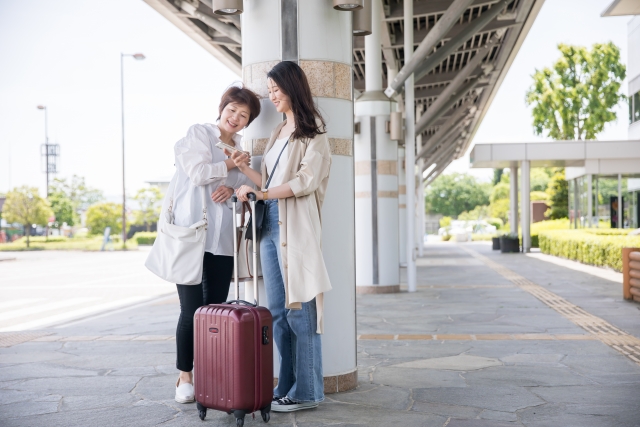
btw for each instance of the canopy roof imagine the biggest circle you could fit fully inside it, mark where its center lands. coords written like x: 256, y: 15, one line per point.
x: 463, y: 110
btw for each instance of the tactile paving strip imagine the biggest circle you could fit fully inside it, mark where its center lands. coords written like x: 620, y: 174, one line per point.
x: 602, y: 330
x: 8, y: 339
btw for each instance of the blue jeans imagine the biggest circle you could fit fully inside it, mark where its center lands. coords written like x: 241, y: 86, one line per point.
x: 294, y: 331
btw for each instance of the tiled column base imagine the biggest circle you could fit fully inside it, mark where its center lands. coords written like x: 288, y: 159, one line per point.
x: 337, y: 383
x: 386, y: 289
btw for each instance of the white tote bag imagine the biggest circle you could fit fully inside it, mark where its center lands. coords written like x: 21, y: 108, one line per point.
x: 176, y: 255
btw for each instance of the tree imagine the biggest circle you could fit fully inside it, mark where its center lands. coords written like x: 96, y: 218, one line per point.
x: 63, y: 209
x: 150, y: 200
x: 574, y: 99
x: 499, y: 200
x: 558, y: 191
x: 103, y: 215
x: 455, y: 193
x: 25, y: 206
x: 497, y: 175
x: 76, y: 190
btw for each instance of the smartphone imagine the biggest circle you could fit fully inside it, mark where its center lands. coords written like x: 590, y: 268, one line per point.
x: 221, y: 145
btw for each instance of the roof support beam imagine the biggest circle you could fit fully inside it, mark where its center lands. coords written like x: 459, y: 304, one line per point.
x: 434, y: 114
x: 445, y: 130
x: 424, y: 8
x: 228, y: 30
x: 432, y: 38
x: 385, y: 37
x: 474, y: 26
x: 459, y: 80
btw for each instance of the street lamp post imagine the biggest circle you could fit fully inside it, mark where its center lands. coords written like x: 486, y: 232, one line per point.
x: 138, y: 57
x: 46, y: 144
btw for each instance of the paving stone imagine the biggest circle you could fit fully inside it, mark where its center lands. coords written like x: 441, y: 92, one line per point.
x: 446, y: 410
x: 78, y: 403
x: 79, y: 386
x: 480, y: 423
x: 30, y: 408
x: 504, y: 398
x: 488, y: 414
x: 417, y: 378
x: 159, y: 387
x: 128, y: 416
x: 376, y: 395
x: 526, y: 376
x: 461, y: 362
x: 42, y: 370
x: 553, y: 415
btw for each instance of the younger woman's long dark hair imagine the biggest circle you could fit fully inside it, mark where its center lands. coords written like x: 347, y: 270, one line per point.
x: 292, y: 81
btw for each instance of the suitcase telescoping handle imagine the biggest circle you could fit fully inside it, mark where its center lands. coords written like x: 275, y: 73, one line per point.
x: 252, y: 200
x: 234, y: 200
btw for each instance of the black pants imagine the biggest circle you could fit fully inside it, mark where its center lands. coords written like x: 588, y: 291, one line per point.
x: 216, y: 278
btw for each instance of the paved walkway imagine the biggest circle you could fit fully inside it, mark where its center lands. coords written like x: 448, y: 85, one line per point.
x: 489, y: 339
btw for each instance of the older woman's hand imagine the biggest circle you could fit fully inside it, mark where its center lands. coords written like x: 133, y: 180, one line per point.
x: 222, y: 194
x: 243, y: 191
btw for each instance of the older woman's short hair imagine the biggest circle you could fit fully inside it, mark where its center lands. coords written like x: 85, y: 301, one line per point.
x: 244, y: 96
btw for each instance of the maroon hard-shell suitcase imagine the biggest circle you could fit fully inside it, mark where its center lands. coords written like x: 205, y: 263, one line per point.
x: 233, y: 358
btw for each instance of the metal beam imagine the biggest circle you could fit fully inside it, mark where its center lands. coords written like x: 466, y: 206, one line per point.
x: 454, y: 120
x: 459, y: 79
x: 385, y: 37
x: 440, y: 29
x: 228, y: 30
x: 427, y: 119
x: 424, y: 8
x: 474, y: 26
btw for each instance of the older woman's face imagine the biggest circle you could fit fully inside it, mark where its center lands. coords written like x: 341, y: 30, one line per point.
x: 279, y: 99
x: 234, y: 117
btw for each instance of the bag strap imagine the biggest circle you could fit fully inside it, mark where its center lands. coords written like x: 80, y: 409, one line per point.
x: 277, y: 161
x: 204, y: 201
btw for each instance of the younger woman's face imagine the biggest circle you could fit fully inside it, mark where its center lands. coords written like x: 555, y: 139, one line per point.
x: 234, y: 117
x: 279, y: 99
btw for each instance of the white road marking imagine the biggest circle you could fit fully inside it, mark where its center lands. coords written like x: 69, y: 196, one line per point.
x: 58, y: 318
x: 41, y: 308
x: 18, y: 302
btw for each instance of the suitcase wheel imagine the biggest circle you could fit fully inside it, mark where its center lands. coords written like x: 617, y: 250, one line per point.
x: 239, y: 418
x: 266, y: 416
x: 202, y: 411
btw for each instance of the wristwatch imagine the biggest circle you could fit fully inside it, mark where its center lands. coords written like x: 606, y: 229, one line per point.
x: 265, y: 194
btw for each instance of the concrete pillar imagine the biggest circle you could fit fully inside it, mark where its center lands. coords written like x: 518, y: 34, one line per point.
x: 276, y: 30
x: 526, y: 207
x: 420, y: 201
x: 590, y: 200
x: 376, y: 178
x: 410, y: 147
x: 513, y: 198
x: 402, y: 208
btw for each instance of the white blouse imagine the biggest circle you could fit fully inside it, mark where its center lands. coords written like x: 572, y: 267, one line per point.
x: 200, y: 163
x: 270, y: 160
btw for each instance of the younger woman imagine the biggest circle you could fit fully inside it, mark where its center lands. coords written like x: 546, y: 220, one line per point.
x: 200, y: 163
x: 295, y: 173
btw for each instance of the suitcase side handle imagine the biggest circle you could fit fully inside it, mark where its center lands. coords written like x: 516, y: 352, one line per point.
x: 241, y: 302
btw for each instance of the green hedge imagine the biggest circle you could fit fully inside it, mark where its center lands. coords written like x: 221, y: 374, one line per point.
x: 594, y: 246
x: 145, y: 238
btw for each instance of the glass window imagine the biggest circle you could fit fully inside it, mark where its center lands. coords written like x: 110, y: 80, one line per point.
x: 636, y: 106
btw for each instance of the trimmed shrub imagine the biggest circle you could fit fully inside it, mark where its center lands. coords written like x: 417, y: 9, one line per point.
x: 145, y: 238
x: 592, y: 246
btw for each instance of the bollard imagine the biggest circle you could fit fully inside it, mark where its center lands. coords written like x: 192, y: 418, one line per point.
x: 631, y: 274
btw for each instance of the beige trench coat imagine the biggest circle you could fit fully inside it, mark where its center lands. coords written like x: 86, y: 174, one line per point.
x: 307, y: 172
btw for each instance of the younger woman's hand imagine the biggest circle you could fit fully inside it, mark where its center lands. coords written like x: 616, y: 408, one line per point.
x: 241, y: 159
x: 243, y: 192
x: 221, y: 194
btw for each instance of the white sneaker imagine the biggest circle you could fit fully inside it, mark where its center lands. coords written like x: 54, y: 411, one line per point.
x: 185, y: 393
x: 284, y: 404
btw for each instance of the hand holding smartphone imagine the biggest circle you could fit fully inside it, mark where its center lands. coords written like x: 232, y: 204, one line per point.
x: 221, y: 145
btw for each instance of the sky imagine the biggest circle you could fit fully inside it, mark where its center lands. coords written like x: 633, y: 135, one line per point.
x: 66, y: 55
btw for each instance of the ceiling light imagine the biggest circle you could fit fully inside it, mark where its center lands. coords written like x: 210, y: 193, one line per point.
x: 347, y: 5
x: 227, y: 7
x: 362, y: 20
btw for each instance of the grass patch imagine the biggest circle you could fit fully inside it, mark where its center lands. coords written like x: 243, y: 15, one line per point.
x: 61, y: 243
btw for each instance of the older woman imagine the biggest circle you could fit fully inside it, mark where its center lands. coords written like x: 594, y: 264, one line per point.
x: 200, y: 163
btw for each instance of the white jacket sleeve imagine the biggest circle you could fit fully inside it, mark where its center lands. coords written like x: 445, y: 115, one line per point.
x: 193, y: 153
